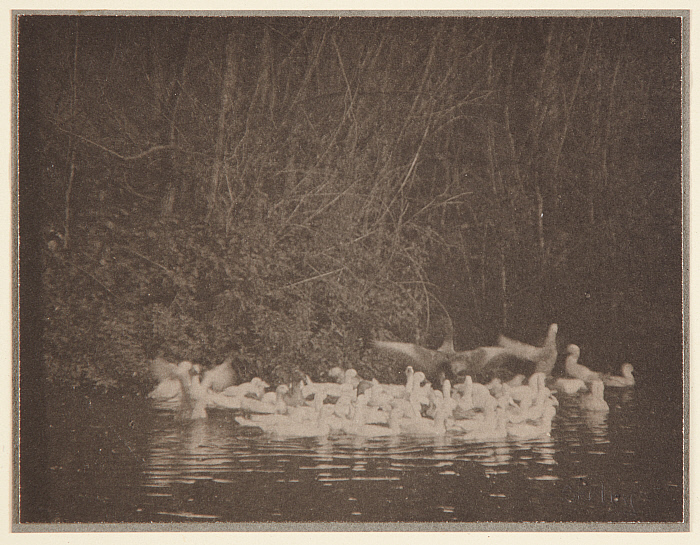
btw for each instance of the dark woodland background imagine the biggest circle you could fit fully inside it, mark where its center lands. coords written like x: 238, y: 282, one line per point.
x: 283, y: 189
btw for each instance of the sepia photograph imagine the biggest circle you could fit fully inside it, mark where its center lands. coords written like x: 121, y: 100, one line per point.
x: 350, y: 271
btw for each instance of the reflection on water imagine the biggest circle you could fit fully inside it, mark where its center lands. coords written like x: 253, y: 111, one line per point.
x: 593, y: 467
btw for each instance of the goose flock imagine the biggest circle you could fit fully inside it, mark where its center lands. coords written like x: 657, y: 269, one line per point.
x: 520, y: 408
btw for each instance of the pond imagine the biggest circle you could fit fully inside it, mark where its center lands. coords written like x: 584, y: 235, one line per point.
x: 123, y: 460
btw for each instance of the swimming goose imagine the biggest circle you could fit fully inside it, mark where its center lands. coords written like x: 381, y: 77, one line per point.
x: 366, y: 425
x: 337, y: 374
x: 328, y: 416
x: 343, y: 407
x: 422, y: 389
x: 302, y: 422
x: 467, y: 422
x: 465, y: 401
x: 294, y: 396
x: 449, y: 401
x: 517, y: 380
x: 495, y: 387
x: 369, y: 414
x: 544, y: 356
x: 533, y: 427
x: 256, y: 388
x: 379, y: 396
x: 325, y: 389
x: 525, y: 393
x: 568, y: 386
x: 170, y: 378
x: 627, y: 378
x: 301, y: 413
x: 594, y: 401
x: 270, y: 403
x: 481, y: 397
x: 575, y: 369
x: 195, y: 398
x: 544, y: 394
x: 220, y: 377
x: 492, y: 427
x: 352, y: 377
x: 398, y: 390
x: 285, y: 426
x: 425, y: 426
x: 536, y: 406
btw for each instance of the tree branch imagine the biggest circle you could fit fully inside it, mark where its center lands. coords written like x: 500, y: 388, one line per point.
x: 141, y: 155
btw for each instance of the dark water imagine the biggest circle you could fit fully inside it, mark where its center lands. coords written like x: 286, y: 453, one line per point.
x: 121, y: 460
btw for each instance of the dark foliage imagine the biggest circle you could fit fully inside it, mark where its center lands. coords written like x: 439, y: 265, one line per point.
x: 283, y: 189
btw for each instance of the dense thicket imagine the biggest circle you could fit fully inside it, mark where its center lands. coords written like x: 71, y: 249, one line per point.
x: 283, y: 189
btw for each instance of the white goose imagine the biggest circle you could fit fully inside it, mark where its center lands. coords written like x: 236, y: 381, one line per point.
x: 370, y: 414
x: 524, y: 394
x: 399, y: 390
x: 326, y: 389
x: 361, y: 425
x: 575, y: 369
x: 533, y: 427
x: 447, y: 398
x: 568, y: 386
x: 480, y: 395
x: 256, y: 388
x: 286, y: 427
x: 465, y: 401
x: 220, y: 377
x: 626, y: 380
x: 298, y: 424
x: 473, y: 422
x: 517, y: 380
x: 351, y: 377
x: 594, y: 401
x: 196, y: 398
x: 170, y: 378
x: 491, y: 428
x: 425, y: 426
x: 379, y: 396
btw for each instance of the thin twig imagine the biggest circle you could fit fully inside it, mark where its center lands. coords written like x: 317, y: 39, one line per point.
x: 141, y: 155
x: 144, y: 257
x: 71, y: 147
x: 86, y: 273
x: 408, y: 175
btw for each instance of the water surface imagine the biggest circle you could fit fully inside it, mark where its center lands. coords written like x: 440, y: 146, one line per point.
x: 122, y: 460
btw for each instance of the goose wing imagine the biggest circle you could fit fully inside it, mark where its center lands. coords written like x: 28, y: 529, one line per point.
x: 472, y: 362
x: 162, y: 369
x: 544, y: 356
x: 423, y: 359
x: 520, y: 349
x: 220, y: 377
x: 448, y: 344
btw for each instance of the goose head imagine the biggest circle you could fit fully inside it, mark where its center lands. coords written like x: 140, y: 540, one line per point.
x: 573, y: 351
x: 418, y: 379
x: 186, y: 368
x: 409, y: 375
x: 337, y: 374
x: 446, y: 389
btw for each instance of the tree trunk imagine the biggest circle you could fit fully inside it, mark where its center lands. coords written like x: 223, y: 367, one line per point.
x: 226, y: 100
